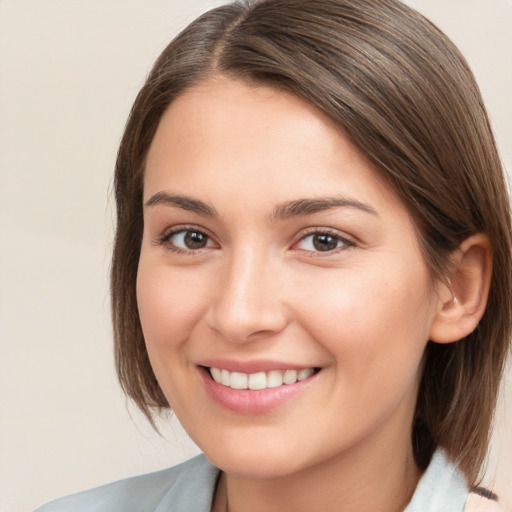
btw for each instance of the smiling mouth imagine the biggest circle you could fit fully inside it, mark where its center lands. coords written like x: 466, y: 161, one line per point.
x: 260, y: 380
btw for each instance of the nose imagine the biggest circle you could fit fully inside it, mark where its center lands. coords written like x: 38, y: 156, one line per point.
x: 248, y: 305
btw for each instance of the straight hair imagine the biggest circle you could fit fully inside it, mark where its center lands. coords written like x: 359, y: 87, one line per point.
x: 403, y: 93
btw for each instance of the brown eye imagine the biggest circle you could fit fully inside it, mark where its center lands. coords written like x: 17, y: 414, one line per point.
x: 195, y: 240
x: 325, y: 242
x: 187, y: 240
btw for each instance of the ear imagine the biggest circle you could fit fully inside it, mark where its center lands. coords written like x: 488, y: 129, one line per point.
x: 462, y: 299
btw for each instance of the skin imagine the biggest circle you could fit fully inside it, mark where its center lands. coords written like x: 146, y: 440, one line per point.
x: 259, y: 289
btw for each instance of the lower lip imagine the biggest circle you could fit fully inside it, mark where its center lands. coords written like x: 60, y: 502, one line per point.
x: 246, y: 401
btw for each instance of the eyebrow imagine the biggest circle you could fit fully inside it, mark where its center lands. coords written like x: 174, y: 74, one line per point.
x: 183, y: 202
x: 300, y: 207
x: 295, y: 208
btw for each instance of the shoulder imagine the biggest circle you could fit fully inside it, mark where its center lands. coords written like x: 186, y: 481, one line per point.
x: 482, y: 500
x: 191, y: 483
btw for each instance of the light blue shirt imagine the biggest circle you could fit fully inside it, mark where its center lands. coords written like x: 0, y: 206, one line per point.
x: 190, y: 487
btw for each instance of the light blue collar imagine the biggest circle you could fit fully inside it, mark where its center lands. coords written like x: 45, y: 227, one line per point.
x: 442, y: 488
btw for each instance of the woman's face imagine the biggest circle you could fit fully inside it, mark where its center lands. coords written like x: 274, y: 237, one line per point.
x: 273, y: 252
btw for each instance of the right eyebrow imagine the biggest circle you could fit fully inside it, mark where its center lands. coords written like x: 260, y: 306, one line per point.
x: 183, y: 202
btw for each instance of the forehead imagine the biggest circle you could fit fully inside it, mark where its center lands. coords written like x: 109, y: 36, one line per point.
x: 226, y: 116
x: 225, y: 139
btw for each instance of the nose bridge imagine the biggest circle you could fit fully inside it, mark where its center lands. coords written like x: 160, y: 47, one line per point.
x: 247, y: 302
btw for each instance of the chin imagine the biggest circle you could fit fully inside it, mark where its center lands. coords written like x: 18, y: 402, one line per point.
x: 254, y: 464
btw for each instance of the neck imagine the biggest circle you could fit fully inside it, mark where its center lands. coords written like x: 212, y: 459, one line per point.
x: 382, y: 479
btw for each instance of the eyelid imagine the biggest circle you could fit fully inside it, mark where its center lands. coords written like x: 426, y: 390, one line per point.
x: 164, y: 239
x: 348, y: 241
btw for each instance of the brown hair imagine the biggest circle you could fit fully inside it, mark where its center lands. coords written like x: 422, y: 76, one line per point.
x: 405, y: 95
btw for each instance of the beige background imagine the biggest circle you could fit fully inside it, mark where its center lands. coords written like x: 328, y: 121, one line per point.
x: 69, y: 70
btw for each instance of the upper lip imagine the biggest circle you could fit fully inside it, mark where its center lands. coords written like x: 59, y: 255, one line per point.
x: 252, y: 366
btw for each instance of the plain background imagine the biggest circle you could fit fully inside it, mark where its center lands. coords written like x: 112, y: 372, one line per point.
x: 69, y: 71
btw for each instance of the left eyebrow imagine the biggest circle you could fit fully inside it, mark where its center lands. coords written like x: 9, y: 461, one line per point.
x: 300, y: 207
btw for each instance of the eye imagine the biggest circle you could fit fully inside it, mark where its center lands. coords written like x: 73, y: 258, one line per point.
x: 323, y: 242
x: 187, y: 240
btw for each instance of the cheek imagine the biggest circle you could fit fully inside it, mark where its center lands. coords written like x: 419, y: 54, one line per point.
x: 169, y: 303
x: 375, y: 322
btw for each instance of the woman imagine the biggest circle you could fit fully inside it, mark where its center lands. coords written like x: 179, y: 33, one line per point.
x: 312, y: 263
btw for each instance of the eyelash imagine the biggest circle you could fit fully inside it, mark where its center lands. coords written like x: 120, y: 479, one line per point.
x: 165, y: 240
x: 346, y: 243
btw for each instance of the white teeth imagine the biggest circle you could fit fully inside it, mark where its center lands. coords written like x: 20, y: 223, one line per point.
x: 259, y: 380
x: 216, y: 374
x: 238, y: 380
x: 305, y: 373
x: 225, y: 379
x: 274, y: 379
x: 290, y: 377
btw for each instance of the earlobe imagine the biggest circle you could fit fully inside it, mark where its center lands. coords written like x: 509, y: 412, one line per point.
x: 462, y: 300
